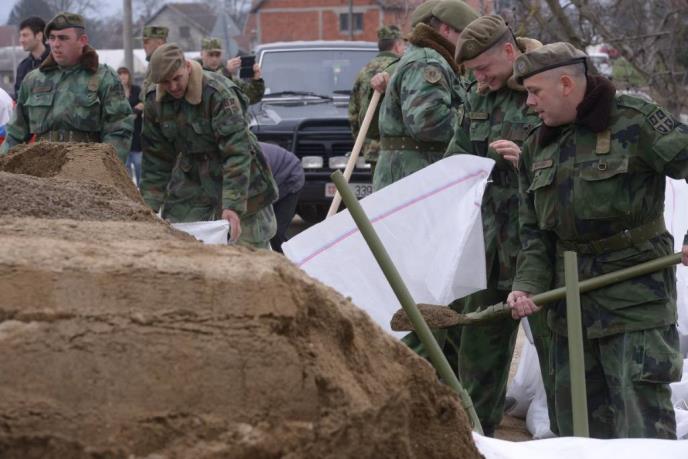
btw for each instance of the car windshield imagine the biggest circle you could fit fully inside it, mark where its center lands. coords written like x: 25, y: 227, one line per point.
x: 316, y: 71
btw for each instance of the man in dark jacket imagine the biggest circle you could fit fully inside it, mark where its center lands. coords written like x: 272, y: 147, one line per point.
x: 32, y: 40
x: 288, y: 173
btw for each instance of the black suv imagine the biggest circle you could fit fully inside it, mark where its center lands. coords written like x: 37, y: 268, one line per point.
x: 305, y: 110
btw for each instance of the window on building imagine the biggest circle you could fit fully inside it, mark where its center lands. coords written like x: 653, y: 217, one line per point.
x: 344, y: 22
x: 184, y: 32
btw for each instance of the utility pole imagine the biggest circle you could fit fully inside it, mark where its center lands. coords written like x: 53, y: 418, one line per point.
x: 126, y: 31
x: 351, y: 20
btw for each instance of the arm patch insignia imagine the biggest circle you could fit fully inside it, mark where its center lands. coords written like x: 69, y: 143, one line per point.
x: 432, y: 75
x: 661, y: 121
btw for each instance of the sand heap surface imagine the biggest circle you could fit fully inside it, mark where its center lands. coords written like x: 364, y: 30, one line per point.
x: 124, y: 339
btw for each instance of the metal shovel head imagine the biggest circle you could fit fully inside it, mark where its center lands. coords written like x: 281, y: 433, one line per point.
x: 435, y: 316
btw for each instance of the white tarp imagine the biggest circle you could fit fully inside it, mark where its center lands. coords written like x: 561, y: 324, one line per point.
x: 431, y: 226
x: 212, y: 232
x: 527, y: 387
x: 581, y: 448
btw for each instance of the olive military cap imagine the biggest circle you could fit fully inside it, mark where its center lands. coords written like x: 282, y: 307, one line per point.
x: 454, y: 13
x: 64, y: 20
x: 479, y: 36
x: 155, y: 32
x: 390, y: 32
x: 547, y: 57
x: 423, y: 12
x: 165, y: 61
x: 211, y: 44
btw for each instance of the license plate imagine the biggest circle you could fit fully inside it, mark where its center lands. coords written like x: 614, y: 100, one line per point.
x: 361, y: 190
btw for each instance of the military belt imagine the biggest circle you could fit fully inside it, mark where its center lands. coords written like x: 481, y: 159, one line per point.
x: 68, y: 136
x: 623, y: 240
x: 409, y: 143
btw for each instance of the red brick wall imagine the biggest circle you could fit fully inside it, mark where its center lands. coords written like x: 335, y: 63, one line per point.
x: 319, y: 20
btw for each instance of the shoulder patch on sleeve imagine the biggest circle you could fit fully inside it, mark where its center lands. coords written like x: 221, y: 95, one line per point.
x: 432, y: 75
x: 231, y: 104
x: 661, y: 121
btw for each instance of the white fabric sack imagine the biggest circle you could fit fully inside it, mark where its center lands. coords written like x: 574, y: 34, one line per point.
x: 212, y: 232
x: 431, y: 226
x: 581, y: 448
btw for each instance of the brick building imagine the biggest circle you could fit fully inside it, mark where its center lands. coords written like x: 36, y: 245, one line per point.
x: 289, y: 20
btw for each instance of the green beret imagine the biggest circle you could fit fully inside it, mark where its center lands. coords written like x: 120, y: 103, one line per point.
x: 64, y: 21
x: 165, y: 61
x: 454, y: 13
x: 390, y: 32
x: 479, y: 36
x: 211, y: 44
x: 547, y: 57
x: 155, y: 32
x: 423, y: 12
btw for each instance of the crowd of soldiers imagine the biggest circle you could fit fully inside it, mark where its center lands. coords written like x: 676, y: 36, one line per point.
x: 577, y: 167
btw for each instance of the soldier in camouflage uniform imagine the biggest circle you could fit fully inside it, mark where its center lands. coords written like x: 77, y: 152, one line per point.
x: 418, y: 113
x: 200, y: 161
x: 70, y: 97
x: 391, y: 46
x: 211, y: 58
x: 493, y: 123
x: 153, y: 38
x: 592, y: 180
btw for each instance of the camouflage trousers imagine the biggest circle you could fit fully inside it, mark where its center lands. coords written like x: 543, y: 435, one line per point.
x: 485, y: 353
x: 257, y: 229
x: 627, y: 382
x: 393, y: 165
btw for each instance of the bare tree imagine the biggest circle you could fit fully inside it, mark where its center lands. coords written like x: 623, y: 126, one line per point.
x: 144, y: 9
x: 82, y: 7
x: 648, y: 34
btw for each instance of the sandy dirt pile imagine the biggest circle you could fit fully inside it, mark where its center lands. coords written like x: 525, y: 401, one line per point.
x: 123, y: 339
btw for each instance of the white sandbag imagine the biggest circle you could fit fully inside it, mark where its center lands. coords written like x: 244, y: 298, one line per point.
x: 429, y: 223
x: 537, y: 419
x: 213, y: 232
x: 581, y: 448
x: 523, y: 386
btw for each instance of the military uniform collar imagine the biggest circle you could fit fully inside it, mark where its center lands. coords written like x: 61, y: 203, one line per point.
x: 88, y: 60
x: 425, y: 36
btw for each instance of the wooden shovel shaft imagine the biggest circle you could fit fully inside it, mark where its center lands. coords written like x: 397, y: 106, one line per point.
x: 550, y: 296
x: 353, y: 158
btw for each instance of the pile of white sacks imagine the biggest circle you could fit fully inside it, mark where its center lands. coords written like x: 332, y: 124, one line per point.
x: 527, y: 388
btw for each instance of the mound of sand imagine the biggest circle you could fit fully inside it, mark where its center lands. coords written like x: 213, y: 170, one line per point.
x: 123, y: 339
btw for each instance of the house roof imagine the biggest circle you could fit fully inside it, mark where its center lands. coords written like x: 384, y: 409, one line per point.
x: 385, y: 4
x: 199, y: 13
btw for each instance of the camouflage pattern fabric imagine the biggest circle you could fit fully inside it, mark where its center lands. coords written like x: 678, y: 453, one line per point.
x: 253, y: 89
x: 200, y: 158
x: 579, y: 186
x: 627, y: 377
x: 85, y: 100
x: 485, y: 351
x: 420, y: 104
x: 361, y: 93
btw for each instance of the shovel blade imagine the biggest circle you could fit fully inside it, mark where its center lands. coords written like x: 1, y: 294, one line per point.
x: 436, y: 316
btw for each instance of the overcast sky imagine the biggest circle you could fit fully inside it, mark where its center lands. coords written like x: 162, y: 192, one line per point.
x: 107, y: 7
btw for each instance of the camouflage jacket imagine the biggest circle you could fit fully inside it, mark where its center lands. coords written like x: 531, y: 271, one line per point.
x: 423, y: 95
x: 254, y: 89
x: 199, y: 156
x: 591, y: 180
x: 361, y: 93
x: 487, y: 117
x: 86, y: 99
